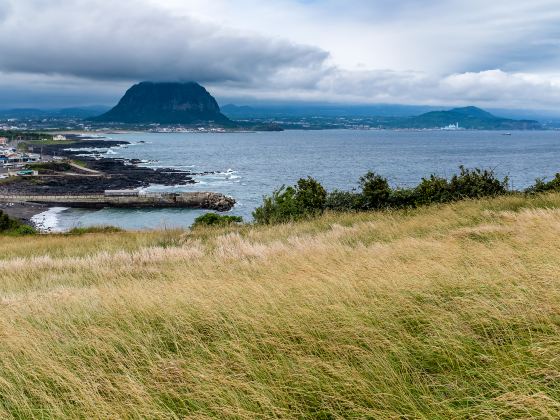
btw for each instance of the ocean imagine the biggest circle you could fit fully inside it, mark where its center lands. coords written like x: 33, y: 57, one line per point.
x: 249, y: 165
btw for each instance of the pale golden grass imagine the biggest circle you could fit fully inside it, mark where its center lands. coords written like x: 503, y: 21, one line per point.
x: 441, y: 312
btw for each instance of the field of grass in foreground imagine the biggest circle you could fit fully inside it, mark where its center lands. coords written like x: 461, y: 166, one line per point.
x: 440, y: 312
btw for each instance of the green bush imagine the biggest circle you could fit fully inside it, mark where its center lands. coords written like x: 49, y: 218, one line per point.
x: 432, y: 190
x: 22, y: 230
x: 309, y: 198
x: 6, y: 223
x: 9, y: 226
x: 306, y: 198
x: 402, y: 197
x: 375, y: 191
x: 213, y: 219
x: 476, y: 183
x: 542, y: 186
x: 342, y: 201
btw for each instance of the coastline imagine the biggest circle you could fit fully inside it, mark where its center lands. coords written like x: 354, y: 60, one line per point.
x: 24, y: 211
x: 98, y: 172
x: 114, y: 174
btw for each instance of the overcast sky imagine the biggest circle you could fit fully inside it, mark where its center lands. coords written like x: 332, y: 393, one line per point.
x: 443, y: 52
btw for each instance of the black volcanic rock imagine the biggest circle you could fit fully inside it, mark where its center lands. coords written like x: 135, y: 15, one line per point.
x: 166, y: 103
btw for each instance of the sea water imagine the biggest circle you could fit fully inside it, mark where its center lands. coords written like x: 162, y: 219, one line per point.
x: 247, y: 166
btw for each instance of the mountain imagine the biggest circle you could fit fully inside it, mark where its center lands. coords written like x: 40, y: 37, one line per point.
x: 37, y: 114
x: 166, y: 103
x: 470, y: 117
x: 309, y: 110
x: 82, y: 111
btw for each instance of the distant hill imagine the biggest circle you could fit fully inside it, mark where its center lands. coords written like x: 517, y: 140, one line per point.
x: 166, y: 103
x: 470, y: 117
x: 301, y: 110
x: 34, y: 114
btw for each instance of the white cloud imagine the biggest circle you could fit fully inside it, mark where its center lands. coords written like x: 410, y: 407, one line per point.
x: 494, y: 88
x: 503, y: 53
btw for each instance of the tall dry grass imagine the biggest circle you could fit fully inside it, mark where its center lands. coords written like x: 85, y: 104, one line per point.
x: 442, y: 312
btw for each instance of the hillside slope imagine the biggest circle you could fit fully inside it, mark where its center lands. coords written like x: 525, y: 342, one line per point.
x: 441, y: 312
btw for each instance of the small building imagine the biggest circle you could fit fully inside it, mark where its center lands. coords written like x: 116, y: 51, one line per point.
x: 3, y: 141
x: 59, y: 137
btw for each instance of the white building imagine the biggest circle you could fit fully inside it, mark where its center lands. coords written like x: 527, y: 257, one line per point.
x: 59, y: 137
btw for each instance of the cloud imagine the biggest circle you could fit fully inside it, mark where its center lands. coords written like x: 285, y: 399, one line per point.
x: 503, y: 53
x: 494, y: 88
x: 131, y: 40
x: 5, y: 10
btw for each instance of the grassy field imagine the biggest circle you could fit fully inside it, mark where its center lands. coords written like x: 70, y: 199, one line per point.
x: 442, y: 312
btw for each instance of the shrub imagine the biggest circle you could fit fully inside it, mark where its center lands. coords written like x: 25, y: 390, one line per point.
x: 310, y: 196
x: 402, y: 197
x: 476, y: 183
x: 213, y: 219
x: 432, y: 190
x: 342, y: 201
x: 9, y: 226
x: 6, y: 223
x: 542, y: 186
x: 306, y: 198
x: 279, y: 207
x: 22, y: 230
x: 375, y: 191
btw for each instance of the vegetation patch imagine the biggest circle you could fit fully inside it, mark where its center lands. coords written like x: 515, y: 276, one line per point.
x: 25, y: 135
x: 55, y: 166
x: 308, y: 198
x: 214, y: 219
x: 94, y: 229
x: 435, y: 312
x: 13, y: 227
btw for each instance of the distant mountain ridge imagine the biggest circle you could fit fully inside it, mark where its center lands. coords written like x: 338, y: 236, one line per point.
x: 166, y: 103
x: 470, y: 117
x: 73, y: 112
x: 324, y: 110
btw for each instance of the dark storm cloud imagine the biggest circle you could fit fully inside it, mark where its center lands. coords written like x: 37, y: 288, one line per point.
x: 134, y: 41
x: 501, y: 53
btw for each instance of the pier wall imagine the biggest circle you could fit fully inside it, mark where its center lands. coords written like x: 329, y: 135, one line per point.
x: 198, y: 200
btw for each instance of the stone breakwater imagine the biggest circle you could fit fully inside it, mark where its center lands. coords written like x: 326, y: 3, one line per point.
x: 194, y: 200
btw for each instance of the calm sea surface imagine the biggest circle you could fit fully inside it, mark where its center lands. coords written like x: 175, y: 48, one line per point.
x: 249, y: 165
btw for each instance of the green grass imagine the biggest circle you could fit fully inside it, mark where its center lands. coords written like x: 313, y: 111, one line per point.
x: 49, y: 142
x: 447, y: 311
x: 94, y: 229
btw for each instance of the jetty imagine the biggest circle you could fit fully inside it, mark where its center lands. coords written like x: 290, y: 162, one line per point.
x: 129, y: 199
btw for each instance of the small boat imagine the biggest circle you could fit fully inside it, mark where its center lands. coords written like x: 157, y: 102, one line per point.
x: 506, y: 134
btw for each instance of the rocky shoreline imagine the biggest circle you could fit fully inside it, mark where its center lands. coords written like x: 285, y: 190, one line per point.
x: 102, y: 174
x: 116, y: 174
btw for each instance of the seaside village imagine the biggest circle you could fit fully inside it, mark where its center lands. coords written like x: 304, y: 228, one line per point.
x: 13, y: 161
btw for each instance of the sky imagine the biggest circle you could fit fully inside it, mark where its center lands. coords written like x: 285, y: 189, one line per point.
x: 498, y: 54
